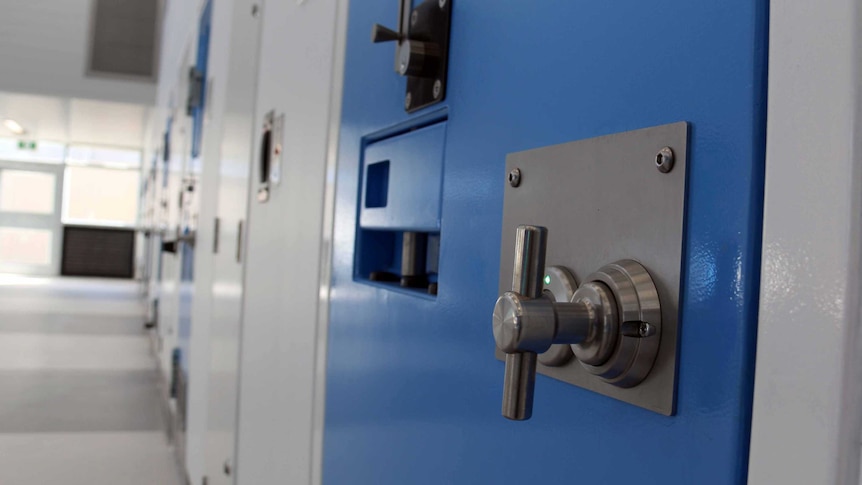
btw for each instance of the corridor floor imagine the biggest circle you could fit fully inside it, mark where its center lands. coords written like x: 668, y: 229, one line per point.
x: 79, y: 398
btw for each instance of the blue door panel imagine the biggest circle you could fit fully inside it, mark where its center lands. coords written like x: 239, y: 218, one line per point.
x: 413, y: 390
x: 412, y: 189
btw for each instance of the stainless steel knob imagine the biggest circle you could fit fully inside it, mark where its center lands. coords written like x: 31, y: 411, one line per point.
x: 600, y: 330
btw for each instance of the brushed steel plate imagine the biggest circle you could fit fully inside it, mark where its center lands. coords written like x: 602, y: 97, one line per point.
x: 603, y: 199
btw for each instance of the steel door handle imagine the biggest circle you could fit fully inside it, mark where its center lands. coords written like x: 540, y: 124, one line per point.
x: 527, y: 322
x: 520, y: 374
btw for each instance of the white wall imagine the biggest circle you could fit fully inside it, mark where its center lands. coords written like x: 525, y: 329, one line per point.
x: 806, y: 421
x: 43, y: 50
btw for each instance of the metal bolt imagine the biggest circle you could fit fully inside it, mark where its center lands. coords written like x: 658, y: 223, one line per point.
x: 414, y: 17
x: 408, y: 101
x: 442, y: 3
x: 254, y: 10
x: 515, y: 177
x: 664, y: 160
x: 438, y: 88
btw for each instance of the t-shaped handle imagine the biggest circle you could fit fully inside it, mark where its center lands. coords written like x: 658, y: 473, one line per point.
x: 607, y: 308
x: 520, y: 376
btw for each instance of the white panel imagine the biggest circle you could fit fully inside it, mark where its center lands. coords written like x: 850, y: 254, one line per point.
x: 25, y: 246
x: 170, y: 220
x: 179, y: 36
x: 216, y: 305
x: 282, y: 274
x: 46, y: 41
x: 806, y: 416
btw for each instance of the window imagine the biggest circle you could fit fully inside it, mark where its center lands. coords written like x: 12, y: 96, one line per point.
x: 100, y: 196
x: 27, y: 192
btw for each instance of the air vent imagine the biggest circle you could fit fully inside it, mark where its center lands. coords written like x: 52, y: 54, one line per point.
x: 124, y: 39
x: 95, y: 251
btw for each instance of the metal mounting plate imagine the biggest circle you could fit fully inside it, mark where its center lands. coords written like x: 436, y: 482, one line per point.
x: 604, y: 199
x: 432, y: 25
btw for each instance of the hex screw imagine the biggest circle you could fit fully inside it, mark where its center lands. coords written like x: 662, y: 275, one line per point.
x: 408, y: 101
x: 664, y: 160
x: 515, y: 177
x: 637, y: 329
x: 438, y: 88
x: 646, y: 330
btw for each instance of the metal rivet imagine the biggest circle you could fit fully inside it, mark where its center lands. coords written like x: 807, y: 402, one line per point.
x: 664, y: 160
x: 438, y: 88
x: 442, y: 3
x: 515, y: 177
x: 408, y: 101
x: 414, y: 17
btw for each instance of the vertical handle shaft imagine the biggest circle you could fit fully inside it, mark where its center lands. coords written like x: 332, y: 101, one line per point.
x: 520, y: 374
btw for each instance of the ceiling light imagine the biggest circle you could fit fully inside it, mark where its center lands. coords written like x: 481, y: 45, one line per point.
x: 14, y: 127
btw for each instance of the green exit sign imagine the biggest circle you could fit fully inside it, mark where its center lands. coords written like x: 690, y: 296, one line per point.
x: 26, y: 145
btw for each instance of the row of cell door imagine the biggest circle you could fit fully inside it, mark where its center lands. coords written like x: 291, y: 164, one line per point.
x: 30, y: 227
x: 419, y: 193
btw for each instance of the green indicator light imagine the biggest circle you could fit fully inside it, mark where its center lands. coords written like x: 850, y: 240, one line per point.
x: 547, y: 279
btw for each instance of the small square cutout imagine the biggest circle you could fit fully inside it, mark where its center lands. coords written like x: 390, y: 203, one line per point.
x: 377, y: 185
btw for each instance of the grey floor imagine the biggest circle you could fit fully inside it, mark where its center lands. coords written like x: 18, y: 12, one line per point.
x: 79, y: 398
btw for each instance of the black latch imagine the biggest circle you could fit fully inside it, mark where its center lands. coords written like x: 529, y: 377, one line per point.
x: 422, y: 54
x: 195, y: 99
x: 169, y: 247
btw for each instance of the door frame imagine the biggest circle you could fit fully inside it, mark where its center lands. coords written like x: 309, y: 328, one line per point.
x: 51, y: 222
x: 807, y: 411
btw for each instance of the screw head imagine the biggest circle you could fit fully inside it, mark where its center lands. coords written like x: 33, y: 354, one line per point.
x: 646, y: 330
x: 442, y: 3
x: 254, y: 10
x: 408, y: 101
x: 414, y: 17
x: 438, y: 88
x: 664, y: 160
x: 515, y: 177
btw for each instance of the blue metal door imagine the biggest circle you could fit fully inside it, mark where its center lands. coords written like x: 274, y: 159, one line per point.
x: 412, y: 388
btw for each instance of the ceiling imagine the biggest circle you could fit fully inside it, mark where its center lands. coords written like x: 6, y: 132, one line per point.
x: 45, y: 50
x: 73, y: 120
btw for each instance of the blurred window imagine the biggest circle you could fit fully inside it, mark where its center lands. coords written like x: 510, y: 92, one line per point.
x: 100, y: 196
x: 27, y: 192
